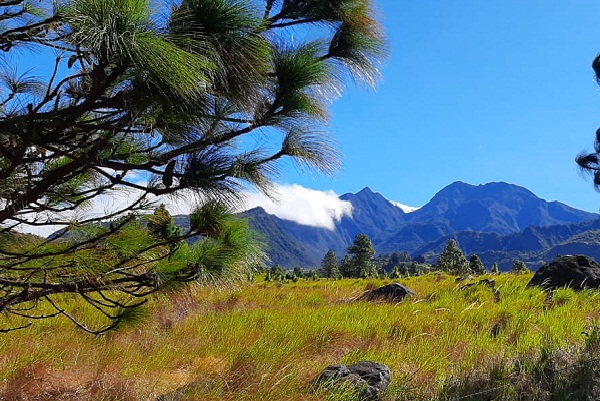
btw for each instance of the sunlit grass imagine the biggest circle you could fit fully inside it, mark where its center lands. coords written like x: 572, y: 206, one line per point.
x: 268, y: 341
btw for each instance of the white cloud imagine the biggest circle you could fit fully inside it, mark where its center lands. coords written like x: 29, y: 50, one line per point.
x: 303, y: 205
x: 405, y: 209
x: 106, y: 205
x: 294, y: 202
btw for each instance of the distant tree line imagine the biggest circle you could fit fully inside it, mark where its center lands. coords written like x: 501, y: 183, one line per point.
x: 360, y: 262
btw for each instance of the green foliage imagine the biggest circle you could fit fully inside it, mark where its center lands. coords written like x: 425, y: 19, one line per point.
x: 148, y: 103
x: 330, y: 265
x: 396, y: 273
x: 400, y: 264
x: 519, y: 267
x: 163, y: 227
x: 418, y: 269
x: 476, y: 265
x: 276, y: 273
x: 452, y: 260
x: 346, y: 267
x: 397, y: 258
x: 590, y: 162
x: 360, y: 263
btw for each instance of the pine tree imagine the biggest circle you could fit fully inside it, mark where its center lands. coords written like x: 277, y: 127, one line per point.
x: 163, y: 227
x: 346, y: 267
x: 151, y: 99
x: 519, y: 267
x: 397, y: 258
x: 362, y: 253
x: 277, y: 273
x: 476, y: 265
x: 453, y: 260
x: 330, y: 266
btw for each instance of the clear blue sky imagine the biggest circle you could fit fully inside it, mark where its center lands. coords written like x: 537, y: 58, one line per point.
x: 476, y: 91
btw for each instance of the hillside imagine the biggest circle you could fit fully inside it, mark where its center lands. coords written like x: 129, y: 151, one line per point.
x: 534, y: 245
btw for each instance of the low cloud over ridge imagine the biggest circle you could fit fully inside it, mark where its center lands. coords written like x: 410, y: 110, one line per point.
x: 294, y: 202
x: 303, y: 205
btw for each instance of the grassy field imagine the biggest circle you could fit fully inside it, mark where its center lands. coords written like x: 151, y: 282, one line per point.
x: 268, y: 341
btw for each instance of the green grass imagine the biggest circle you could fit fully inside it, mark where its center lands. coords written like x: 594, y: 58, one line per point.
x: 268, y: 341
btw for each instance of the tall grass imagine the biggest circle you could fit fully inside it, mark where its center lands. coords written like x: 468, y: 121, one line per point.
x: 268, y: 341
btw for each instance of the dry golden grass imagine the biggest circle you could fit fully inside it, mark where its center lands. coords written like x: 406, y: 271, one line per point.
x: 268, y: 341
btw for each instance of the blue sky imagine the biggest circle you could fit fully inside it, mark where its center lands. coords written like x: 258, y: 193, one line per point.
x: 473, y: 90
x: 476, y: 91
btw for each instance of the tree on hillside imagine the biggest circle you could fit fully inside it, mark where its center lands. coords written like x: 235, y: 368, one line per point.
x: 396, y: 273
x: 476, y: 265
x: 276, y: 273
x: 146, y: 104
x: 519, y: 267
x: 330, y: 265
x: 418, y: 269
x: 452, y: 259
x: 361, y: 254
x: 397, y: 258
x: 346, y: 268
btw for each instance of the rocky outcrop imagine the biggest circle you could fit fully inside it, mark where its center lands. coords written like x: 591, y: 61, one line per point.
x: 369, y: 379
x: 568, y: 271
x: 394, y: 292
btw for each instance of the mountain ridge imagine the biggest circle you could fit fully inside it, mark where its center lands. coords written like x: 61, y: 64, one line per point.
x: 492, y: 215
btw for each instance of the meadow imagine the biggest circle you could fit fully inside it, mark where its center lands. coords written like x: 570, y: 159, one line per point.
x: 269, y: 340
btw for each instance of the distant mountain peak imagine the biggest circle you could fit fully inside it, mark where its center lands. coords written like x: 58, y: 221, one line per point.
x: 367, y: 192
x: 462, y: 189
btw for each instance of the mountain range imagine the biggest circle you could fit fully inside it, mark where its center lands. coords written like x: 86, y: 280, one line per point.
x: 498, y: 221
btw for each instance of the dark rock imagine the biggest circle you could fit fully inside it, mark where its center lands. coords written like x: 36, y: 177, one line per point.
x: 394, y: 292
x: 568, y: 271
x: 332, y: 373
x: 370, y: 379
x: 377, y: 375
x: 485, y: 281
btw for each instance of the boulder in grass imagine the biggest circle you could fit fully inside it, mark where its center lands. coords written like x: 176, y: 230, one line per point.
x: 368, y: 379
x: 394, y: 292
x: 568, y: 271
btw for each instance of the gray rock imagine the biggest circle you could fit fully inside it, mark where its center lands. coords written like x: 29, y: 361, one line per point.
x: 394, y: 292
x: 333, y: 373
x: 377, y: 375
x: 570, y: 271
x: 371, y: 379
